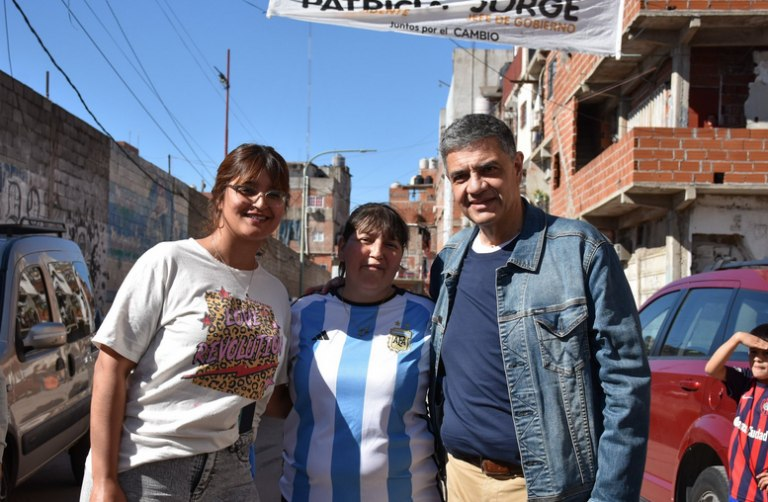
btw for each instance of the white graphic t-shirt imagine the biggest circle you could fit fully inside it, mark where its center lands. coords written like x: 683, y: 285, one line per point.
x: 207, y: 340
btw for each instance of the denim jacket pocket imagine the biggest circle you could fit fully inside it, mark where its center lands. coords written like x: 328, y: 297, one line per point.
x: 561, y: 331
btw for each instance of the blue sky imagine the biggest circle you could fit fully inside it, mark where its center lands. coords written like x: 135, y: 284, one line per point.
x: 365, y: 89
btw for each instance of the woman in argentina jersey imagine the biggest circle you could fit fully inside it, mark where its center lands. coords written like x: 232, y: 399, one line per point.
x: 358, y: 367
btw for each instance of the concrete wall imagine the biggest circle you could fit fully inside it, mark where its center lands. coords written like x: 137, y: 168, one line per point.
x: 646, y: 272
x: 114, y: 204
x: 146, y: 206
x: 54, y: 166
x: 716, y: 228
x: 724, y: 227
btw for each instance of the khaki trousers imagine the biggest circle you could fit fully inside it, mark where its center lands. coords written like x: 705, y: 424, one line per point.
x: 467, y: 483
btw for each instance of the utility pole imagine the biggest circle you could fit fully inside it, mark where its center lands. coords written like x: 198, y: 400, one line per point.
x: 226, y: 116
x: 224, y: 79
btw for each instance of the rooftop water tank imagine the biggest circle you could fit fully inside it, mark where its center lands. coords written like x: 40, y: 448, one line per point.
x: 339, y: 160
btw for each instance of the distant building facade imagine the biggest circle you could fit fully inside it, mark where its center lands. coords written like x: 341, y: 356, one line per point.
x: 327, y: 209
x: 475, y: 88
x: 416, y: 204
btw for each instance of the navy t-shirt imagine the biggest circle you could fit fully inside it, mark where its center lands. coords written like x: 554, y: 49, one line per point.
x: 477, y: 419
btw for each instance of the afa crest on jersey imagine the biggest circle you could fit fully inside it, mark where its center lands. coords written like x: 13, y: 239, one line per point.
x: 399, y: 339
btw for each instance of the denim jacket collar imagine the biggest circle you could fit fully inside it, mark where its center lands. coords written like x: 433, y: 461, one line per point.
x: 526, y: 253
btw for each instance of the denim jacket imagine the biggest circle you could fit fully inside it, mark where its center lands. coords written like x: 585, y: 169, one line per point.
x: 578, y: 377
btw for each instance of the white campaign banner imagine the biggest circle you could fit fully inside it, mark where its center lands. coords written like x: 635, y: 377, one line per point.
x: 591, y: 26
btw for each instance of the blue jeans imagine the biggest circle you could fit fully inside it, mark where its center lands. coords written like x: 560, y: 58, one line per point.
x: 221, y: 476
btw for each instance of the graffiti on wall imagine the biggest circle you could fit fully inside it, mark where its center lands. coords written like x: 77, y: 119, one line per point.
x: 140, y: 219
x: 22, y: 194
x: 89, y: 233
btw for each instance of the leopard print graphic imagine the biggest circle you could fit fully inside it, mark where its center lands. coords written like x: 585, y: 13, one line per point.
x: 241, y: 353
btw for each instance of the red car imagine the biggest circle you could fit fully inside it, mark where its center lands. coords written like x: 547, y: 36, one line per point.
x: 691, y: 413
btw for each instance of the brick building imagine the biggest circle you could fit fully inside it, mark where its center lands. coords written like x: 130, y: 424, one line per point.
x: 328, y: 193
x: 416, y: 204
x: 663, y: 149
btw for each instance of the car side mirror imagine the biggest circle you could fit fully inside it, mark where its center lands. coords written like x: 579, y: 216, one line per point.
x: 45, y: 335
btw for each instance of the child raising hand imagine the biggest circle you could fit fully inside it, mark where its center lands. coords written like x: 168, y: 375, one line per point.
x: 749, y: 440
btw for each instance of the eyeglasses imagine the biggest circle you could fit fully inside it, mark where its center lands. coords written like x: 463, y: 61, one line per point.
x: 273, y: 198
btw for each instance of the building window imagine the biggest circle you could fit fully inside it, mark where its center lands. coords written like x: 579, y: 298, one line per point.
x: 523, y: 114
x: 318, y: 237
x: 316, y: 201
x: 596, y: 125
x: 551, y: 80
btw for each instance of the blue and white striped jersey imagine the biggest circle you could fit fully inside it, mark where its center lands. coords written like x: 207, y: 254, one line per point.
x: 358, y: 380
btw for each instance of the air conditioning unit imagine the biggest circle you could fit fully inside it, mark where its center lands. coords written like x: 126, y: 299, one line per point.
x: 622, y: 252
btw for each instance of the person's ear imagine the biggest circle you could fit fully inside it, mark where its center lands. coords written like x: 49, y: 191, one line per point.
x: 518, y: 160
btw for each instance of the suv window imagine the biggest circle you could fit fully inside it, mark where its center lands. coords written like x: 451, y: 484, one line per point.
x: 750, y: 309
x: 73, y: 299
x: 654, y: 316
x: 698, y: 323
x: 32, y: 304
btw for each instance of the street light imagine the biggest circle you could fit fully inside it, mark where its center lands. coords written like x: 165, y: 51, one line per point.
x: 304, y: 196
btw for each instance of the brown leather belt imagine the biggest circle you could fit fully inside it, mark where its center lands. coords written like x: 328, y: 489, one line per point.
x: 494, y: 469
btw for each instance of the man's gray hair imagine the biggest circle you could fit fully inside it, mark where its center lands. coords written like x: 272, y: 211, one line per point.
x: 473, y: 128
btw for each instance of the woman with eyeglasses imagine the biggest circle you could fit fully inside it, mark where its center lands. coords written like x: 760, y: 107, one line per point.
x: 193, y: 344
x: 359, y: 363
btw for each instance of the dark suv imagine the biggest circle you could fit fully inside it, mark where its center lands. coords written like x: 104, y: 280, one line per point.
x: 691, y: 413
x: 47, y: 318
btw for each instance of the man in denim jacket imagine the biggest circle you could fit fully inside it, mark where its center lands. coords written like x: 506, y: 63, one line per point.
x: 541, y: 384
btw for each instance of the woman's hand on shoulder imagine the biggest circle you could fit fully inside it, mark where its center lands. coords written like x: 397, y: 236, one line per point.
x: 322, y: 289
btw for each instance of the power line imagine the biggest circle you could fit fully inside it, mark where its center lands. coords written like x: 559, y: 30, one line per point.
x: 504, y: 77
x: 61, y: 70
x: 255, y: 6
x: 180, y: 127
x: 130, y: 90
x: 7, y: 37
x: 205, y: 72
x: 93, y: 116
x: 557, y: 103
x: 147, y: 82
